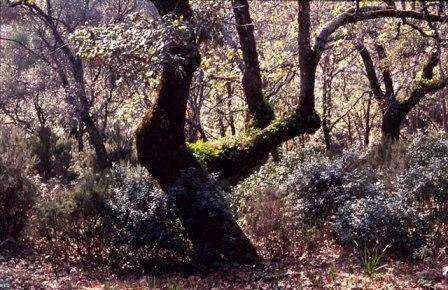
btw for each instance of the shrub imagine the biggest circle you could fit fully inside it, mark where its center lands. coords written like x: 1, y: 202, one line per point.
x: 263, y: 207
x: 356, y: 203
x: 147, y: 229
x: 120, y: 218
x: 428, y: 185
x: 424, y: 149
x: 426, y: 178
x: 379, y: 221
x: 266, y: 220
x: 53, y: 156
x: 17, y: 191
x: 425, y: 181
x: 361, y: 205
x: 119, y: 144
x: 319, y: 186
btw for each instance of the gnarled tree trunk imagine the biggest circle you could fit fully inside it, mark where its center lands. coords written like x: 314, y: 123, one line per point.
x: 393, y: 116
x: 394, y: 111
x: 162, y: 149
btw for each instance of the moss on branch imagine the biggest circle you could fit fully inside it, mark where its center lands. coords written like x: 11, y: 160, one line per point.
x: 236, y: 157
x: 263, y: 115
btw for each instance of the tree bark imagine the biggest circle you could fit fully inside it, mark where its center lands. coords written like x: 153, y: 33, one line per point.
x: 393, y: 116
x: 261, y: 112
x: 326, y: 104
x: 394, y: 111
x: 162, y: 150
x: 83, y: 108
x: 444, y: 114
x: 367, y: 122
x: 179, y: 167
x: 237, y: 158
x: 308, y: 59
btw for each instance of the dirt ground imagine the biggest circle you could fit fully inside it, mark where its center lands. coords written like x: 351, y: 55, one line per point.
x: 329, y: 267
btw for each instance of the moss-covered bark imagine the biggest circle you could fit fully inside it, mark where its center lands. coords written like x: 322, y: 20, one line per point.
x: 162, y: 150
x: 182, y: 169
x: 236, y: 157
x: 201, y: 208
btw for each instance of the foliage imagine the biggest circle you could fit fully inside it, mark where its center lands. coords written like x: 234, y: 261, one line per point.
x: 53, y: 156
x: 119, y: 145
x: 119, y: 217
x: 361, y: 204
x: 371, y: 259
x: 140, y: 45
x: 378, y: 221
x: 263, y: 208
x: 17, y: 190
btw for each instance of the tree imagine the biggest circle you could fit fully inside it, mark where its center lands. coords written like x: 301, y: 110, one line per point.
x: 261, y: 112
x: 52, y: 23
x: 393, y: 110
x: 183, y: 169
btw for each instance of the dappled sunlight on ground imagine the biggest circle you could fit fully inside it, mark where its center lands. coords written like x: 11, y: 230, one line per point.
x: 327, y: 267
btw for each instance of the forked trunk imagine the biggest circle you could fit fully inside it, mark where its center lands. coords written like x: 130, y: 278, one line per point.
x: 163, y: 151
x: 201, y: 207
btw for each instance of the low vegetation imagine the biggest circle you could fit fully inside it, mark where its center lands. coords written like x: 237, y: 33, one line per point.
x: 226, y: 144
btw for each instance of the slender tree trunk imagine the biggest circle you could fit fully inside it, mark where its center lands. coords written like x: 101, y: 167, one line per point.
x: 229, y: 106
x: 445, y: 114
x: 367, y: 122
x: 349, y: 128
x: 221, y: 116
x: 80, y: 137
x: 260, y: 110
x: 97, y: 141
x: 83, y: 108
x: 326, y: 106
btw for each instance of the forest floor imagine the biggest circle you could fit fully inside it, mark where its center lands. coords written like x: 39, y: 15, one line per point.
x: 328, y: 267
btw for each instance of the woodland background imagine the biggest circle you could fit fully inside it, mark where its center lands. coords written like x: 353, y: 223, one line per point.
x: 331, y: 176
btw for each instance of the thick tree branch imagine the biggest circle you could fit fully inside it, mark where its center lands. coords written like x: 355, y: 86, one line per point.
x: 236, y: 158
x: 262, y: 113
x: 426, y: 85
x: 387, y: 78
x: 367, y: 13
x: 370, y: 69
